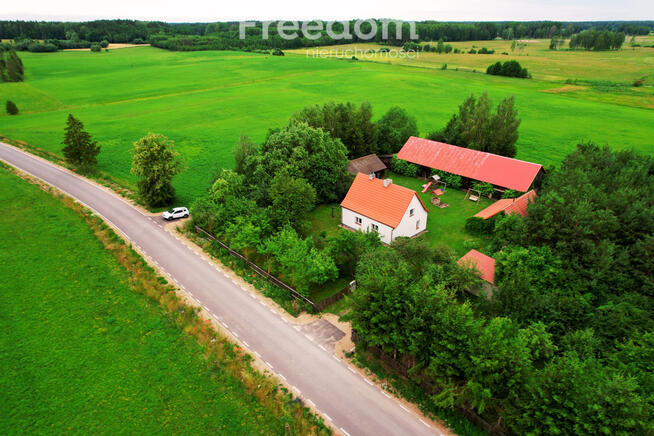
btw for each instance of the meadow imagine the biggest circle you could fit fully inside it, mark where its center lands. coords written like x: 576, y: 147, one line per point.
x: 82, y: 353
x: 205, y: 100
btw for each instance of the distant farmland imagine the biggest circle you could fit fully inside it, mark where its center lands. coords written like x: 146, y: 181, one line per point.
x: 205, y: 100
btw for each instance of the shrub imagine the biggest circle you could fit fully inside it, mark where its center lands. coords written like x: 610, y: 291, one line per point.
x: 95, y: 47
x: 38, y: 47
x: 11, y: 107
x: 485, y: 189
x: 403, y: 167
x: 480, y: 226
x: 277, y: 52
x: 510, y: 193
x: 104, y: 43
x: 452, y: 180
x: 639, y: 82
x: 472, y: 51
x: 507, y: 69
x: 444, y: 67
x: 484, y: 50
x: 457, y: 50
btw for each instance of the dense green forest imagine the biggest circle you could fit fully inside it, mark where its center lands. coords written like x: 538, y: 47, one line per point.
x: 566, y: 344
x: 223, y: 35
x: 11, y: 67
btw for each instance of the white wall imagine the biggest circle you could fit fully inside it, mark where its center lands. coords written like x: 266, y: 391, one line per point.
x: 348, y: 218
x: 407, y: 226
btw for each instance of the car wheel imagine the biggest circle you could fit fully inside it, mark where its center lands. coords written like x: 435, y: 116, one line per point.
x: 186, y: 216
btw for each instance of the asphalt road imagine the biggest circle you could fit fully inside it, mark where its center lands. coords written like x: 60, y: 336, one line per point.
x: 348, y: 401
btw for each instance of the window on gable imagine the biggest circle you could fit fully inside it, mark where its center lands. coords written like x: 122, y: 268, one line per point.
x: 418, y: 225
x: 411, y: 212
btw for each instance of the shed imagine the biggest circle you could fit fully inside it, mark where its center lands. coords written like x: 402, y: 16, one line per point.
x: 509, y: 206
x: 369, y: 164
x: 484, y: 264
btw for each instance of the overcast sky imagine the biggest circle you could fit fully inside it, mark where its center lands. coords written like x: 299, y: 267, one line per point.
x: 450, y: 10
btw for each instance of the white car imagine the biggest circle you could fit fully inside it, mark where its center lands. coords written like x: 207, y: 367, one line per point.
x: 173, y: 214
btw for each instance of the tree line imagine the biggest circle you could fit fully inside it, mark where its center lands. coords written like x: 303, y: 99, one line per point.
x: 565, y: 344
x: 11, y: 67
x: 224, y: 35
x: 593, y: 39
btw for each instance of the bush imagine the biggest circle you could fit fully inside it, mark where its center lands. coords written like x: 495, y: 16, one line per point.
x: 444, y: 67
x: 403, y: 167
x: 38, y: 47
x: 95, y: 47
x: 12, y: 109
x: 485, y: 189
x: 457, y: 50
x: 484, y: 50
x: 510, y: 193
x: 480, y: 226
x: 472, y: 51
x: 639, y: 82
x: 508, y: 69
x: 452, y: 180
x: 104, y: 43
x: 277, y: 52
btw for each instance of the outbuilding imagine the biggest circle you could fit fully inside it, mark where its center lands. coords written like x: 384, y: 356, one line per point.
x: 369, y: 164
x: 377, y: 205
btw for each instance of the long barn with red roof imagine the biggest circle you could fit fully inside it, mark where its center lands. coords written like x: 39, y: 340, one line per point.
x: 500, y: 171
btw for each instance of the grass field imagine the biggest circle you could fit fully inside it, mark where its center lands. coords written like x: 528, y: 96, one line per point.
x: 205, y: 100
x: 81, y: 353
x: 444, y: 225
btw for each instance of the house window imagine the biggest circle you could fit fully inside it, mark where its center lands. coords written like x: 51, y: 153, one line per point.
x: 418, y: 225
x: 411, y: 212
x: 375, y: 227
x: 357, y: 220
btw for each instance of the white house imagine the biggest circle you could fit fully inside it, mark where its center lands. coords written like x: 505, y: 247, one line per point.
x: 378, y: 205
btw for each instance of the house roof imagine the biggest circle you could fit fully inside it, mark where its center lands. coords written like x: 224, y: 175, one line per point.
x: 484, y: 264
x: 520, y: 204
x: 509, y: 206
x: 478, y: 165
x: 384, y: 204
x: 367, y: 165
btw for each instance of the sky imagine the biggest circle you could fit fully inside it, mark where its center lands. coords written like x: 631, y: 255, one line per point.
x: 221, y: 10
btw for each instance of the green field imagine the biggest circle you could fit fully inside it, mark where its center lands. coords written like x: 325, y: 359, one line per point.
x: 81, y: 353
x: 205, y: 100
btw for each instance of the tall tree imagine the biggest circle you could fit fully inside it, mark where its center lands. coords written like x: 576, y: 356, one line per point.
x: 243, y: 149
x: 395, y: 127
x: 155, y: 161
x: 79, y: 149
x: 292, y: 200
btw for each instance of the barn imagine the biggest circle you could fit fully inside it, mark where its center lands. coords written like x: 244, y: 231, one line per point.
x: 500, y: 171
x: 377, y: 205
x: 369, y: 164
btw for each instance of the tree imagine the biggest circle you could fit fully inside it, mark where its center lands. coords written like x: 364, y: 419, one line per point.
x: 395, y: 128
x: 79, y: 149
x: 11, y: 67
x: 11, y: 107
x: 292, y: 200
x: 346, y: 248
x: 95, y: 47
x: 155, y: 161
x: 474, y: 126
x: 243, y: 149
x: 299, y: 261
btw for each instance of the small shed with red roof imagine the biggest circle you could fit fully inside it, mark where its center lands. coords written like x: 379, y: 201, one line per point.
x: 509, y: 206
x: 500, y: 171
x: 377, y: 205
x: 485, y: 265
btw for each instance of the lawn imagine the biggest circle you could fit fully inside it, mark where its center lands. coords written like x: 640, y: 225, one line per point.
x: 444, y: 225
x: 82, y: 353
x: 205, y: 100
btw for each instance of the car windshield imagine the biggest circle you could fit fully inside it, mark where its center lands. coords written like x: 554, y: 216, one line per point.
x: 171, y: 211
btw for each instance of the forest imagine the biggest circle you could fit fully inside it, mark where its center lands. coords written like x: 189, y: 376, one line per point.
x: 225, y: 35
x: 565, y: 344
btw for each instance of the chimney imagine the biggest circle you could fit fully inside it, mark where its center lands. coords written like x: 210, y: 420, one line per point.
x: 371, y: 176
x: 387, y: 183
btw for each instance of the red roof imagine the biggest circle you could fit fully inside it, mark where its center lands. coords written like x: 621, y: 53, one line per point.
x: 484, y: 264
x: 509, y: 206
x: 478, y: 165
x: 385, y: 204
x: 519, y: 206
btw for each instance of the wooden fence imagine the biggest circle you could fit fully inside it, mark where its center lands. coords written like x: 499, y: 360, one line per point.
x: 319, y: 306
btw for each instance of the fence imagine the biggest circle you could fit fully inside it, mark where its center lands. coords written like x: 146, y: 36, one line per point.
x: 402, y: 364
x: 321, y: 305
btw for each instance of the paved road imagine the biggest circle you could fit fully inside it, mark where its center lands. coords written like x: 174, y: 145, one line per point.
x: 350, y: 402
